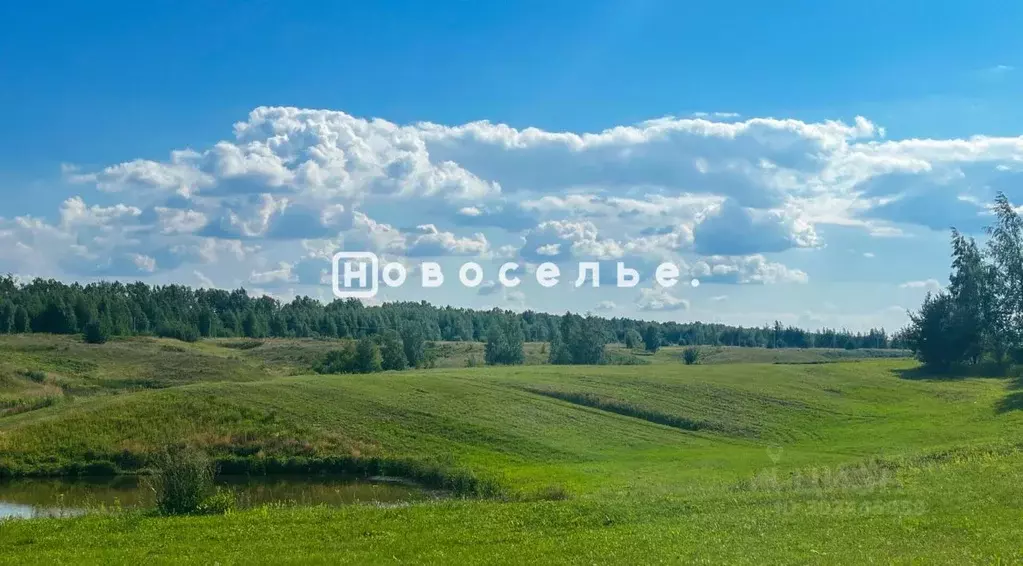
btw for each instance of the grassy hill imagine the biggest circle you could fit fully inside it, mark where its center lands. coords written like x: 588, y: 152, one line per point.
x: 740, y: 462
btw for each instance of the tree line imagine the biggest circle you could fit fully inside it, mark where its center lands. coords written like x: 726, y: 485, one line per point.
x: 577, y: 340
x: 129, y: 309
x: 978, y: 318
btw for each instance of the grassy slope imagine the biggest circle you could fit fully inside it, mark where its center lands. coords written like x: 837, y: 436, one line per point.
x: 759, y: 478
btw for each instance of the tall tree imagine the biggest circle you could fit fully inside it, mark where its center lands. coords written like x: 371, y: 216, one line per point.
x: 22, y: 320
x: 652, y: 338
x: 1005, y: 250
x: 497, y: 344
x: 367, y: 356
x: 392, y: 351
x: 632, y: 339
x: 413, y: 340
x: 969, y: 291
x: 931, y: 332
x: 514, y: 353
x: 7, y: 317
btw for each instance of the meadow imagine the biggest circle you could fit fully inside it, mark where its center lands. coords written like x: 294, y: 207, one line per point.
x: 754, y: 456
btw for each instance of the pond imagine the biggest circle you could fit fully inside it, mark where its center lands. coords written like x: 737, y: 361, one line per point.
x: 50, y: 497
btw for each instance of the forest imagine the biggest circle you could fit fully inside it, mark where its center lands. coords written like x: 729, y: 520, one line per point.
x: 120, y: 309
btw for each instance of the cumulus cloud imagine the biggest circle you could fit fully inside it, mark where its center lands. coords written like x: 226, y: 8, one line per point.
x: 281, y: 274
x: 660, y: 299
x: 75, y: 213
x: 715, y: 193
x: 734, y: 230
x: 931, y: 285
x: 429, y: 241
x: 755, y: 269
x: 176, y: 221
x: 204, y: 282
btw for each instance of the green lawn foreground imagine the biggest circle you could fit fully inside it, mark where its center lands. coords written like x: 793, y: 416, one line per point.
x: 846, y: 462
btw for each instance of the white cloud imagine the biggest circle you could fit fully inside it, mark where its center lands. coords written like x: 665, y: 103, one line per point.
x: 74, y: 213
x: 214, y: 250
x: 430, y: 241
x: 175, y: 221
x: 282, y: 274
x: 144, y: 262
x: 734, y: 230
x: 754, y: 269
x: 204, y: 281
x: 180, y: 173
x: 549, y: 250
x: 928, y: 285
x: 715, y: 193
x: 659, y: 299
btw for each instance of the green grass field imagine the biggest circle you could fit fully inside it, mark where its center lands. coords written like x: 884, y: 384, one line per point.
x: 787, y: 460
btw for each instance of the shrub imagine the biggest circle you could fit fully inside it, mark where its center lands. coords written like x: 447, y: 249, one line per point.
x: 183, y: 481
x: 362, y: 357
x: 95, y: 332
x: 178, y: 331
x: 551, y: 493
x: 221, y: 502
x: 691, y: 356
x: 242, y: 344
x: 34, y: 375
x: 338, y: 361
x: 624, y: 359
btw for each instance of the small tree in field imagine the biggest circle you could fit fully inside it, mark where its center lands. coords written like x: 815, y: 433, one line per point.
x: 691, y: 356
x: 497, y: 343
x: 504, y: 344
x: 413, y: 341
x: 95, y: 332
x: 931, y: 333
x: 652, y: 338
x: 367, y: 356
x: 633, y: 339
x: 392, y: 351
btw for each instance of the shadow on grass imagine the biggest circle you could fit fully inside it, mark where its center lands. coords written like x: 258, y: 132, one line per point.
x: 924, y: 373
x: 1013, y: 401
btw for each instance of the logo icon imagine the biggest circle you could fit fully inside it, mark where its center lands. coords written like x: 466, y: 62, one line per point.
x: 355, y: 267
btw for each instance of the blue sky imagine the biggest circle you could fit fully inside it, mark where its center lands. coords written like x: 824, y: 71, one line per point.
x: 795, y: 166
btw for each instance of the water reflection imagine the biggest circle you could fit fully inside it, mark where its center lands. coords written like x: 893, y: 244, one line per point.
x: 52, y: 497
